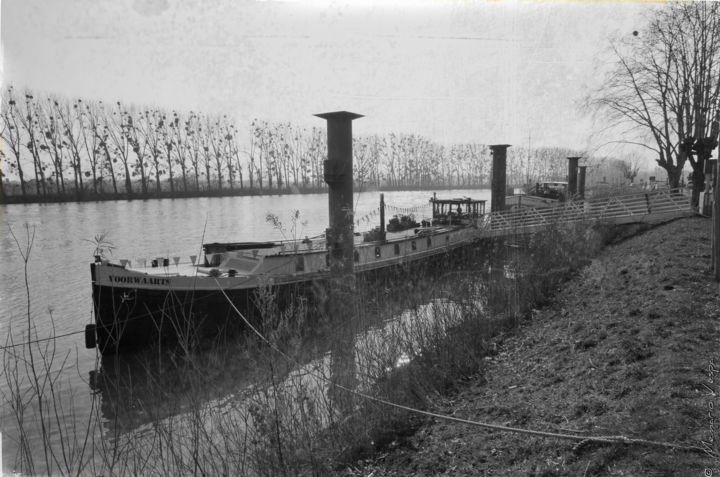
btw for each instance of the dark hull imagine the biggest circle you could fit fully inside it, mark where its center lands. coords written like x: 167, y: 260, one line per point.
x: 130, y: 319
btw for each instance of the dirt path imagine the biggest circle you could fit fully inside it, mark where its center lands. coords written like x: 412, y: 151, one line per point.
x: 629, y: 347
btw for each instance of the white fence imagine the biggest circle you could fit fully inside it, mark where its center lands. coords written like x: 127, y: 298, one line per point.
x: 638, y: 207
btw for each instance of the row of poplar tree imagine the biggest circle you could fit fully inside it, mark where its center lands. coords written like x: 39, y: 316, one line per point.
x: 59, y: 149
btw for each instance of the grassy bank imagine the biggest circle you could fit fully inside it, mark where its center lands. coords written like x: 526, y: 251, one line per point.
x: 629, y: 346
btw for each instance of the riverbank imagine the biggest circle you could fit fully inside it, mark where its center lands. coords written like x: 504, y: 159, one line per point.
x: 630, y: 346
x: 90, y: 196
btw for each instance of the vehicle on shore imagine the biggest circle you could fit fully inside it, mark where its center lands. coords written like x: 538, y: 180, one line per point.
x: 166, y: 301
x: 542, y: 194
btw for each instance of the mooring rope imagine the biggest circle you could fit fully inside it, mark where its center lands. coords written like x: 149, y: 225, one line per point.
x: 582, y: 439
x: 39, y: 340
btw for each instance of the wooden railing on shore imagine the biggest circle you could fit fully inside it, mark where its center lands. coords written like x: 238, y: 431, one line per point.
x: 650, y: 206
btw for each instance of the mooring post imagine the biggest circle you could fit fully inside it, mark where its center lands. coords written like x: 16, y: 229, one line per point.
x: 572, y: 177
x: 339, y: 177
x: 581, y: 182
x: 715, y: 235
x: 382, y: 217
x: 340, y: 244
x: 498, y: 181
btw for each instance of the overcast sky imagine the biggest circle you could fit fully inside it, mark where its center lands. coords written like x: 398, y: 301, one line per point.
x: 455, y: 71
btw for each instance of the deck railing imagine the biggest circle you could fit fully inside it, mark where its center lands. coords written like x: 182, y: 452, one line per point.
x: 626, y: 208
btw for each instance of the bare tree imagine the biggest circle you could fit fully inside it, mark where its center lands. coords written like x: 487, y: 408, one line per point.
x: 257, y: 151
x: 193, y: 129
x: 361, y: 160
x: 317, y: 152
x: 71, y: 122
x: 222, y: 141
x: 10, y: 133
x: 179, y: 137
x: 52, y: 142
x: 629, y: 168
x: 103, y: 138
x: 213, y: 149
x: 234, y: 151
x: 29, y: 122
x: 150, y: 131
x: 376, y: 153
x: 90, y: 131
x: 140, y: 145
x: 119, y: 132
x: 665, y: 87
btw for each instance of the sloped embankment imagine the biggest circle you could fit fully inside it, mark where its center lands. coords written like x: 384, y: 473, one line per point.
x: 630, y: 346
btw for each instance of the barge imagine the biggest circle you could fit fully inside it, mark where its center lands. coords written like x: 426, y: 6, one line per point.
x: 168, y: 301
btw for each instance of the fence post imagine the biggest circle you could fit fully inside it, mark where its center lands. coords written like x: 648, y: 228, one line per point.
x: 716, y: 224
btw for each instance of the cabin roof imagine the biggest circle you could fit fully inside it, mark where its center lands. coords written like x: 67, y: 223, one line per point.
x: 465, y: 200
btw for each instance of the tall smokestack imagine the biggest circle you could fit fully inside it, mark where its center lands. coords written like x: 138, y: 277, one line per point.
x: 498, y: 181
x: 581, y: 182
x: 339, y: 177
x: 572, y: 176
x: 383, y: 235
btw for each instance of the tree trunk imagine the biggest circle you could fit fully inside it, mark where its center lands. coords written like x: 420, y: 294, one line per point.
x: 197, y: 176
x: 108, y: 158
x: 81, y: 192
x: 207, y: 175
x: 170, y: 172
x: 158, y: 187
x: 218, y: 165
x: 231, y: 179
x: 184, y: 175
x: 37, y: 168
x: 240, y: 174
x: 95, y: 179
x: 143, y: 178
x: 674, y: 174
x: 58, y: 175
x: 128, y: 180
x: 23, y: 192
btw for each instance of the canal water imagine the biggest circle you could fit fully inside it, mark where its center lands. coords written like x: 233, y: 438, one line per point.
x: 58, y: 271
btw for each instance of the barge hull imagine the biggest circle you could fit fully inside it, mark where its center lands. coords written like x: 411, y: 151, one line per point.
x: 134, y: 318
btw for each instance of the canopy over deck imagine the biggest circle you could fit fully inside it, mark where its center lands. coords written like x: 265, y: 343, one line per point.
x: 456, y: 211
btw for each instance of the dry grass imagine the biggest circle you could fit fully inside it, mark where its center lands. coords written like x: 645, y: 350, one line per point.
x: 627, y: 347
